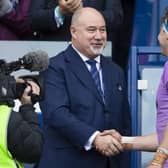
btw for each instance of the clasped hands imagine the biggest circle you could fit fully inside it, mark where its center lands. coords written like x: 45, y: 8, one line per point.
x: 108, y: 143
x: 69, y: 6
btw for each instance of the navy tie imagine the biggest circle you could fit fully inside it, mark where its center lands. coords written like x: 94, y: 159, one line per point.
x: 95, y: 75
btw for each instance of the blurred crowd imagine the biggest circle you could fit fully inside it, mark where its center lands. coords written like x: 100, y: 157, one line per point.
x: 49, y: 20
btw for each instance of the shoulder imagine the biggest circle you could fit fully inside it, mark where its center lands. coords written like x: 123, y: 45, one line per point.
x: 61, y: 58
x: 57, y: 61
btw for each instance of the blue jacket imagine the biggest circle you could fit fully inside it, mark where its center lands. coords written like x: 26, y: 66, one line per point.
x: 73, y: 110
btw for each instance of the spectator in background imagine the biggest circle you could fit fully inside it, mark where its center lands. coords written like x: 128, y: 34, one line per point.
x: 118, y: 17
x: 51, y: 18
x: 13, y: 20
x: 85, y: 94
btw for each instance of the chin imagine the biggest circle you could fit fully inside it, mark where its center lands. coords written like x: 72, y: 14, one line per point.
x: 97, y: 51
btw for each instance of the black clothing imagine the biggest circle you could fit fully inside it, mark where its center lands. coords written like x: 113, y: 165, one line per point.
x: 122, y: 36
x: 24, y: 137
x: 42, y: 19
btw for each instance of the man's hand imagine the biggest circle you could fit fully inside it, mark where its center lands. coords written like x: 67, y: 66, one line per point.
x: 69, y: 6
x: 107, y: 145
x: 31, y: 87
x: 113, y: 133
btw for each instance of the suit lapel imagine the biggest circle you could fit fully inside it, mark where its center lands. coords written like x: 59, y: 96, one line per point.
x: 78, y: 67
x: 108, y: 78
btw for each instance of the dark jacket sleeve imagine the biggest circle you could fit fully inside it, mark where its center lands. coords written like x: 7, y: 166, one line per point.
x: 25, y: 139
x: 41, y: 16
x: 113, y: 14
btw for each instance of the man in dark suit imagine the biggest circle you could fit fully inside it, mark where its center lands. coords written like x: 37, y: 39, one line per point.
x: 85, y: 94
x: 44, y: 16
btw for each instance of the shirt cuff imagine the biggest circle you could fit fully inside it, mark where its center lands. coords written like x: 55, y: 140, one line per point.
x: 88, y: 144
x: 59, y: 18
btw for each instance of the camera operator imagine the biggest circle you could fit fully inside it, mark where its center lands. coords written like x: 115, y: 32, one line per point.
x: 21, y: 138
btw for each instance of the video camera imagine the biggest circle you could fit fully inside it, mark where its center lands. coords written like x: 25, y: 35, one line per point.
x: 9, y: 89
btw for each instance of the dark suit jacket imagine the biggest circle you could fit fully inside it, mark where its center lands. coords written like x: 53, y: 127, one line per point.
x: 73, y: 110
x: 42, y: 17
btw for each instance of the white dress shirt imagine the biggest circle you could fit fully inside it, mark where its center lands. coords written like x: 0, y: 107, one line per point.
x: 88, y: 144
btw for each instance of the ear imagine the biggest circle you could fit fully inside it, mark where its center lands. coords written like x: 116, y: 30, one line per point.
x: 73, y: 32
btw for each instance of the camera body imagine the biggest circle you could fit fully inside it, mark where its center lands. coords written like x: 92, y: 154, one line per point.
x: 10, y: 89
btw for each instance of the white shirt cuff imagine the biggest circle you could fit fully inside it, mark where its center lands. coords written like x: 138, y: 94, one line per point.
x: 88, y: 144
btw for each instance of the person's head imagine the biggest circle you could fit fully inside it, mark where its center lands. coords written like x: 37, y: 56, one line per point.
x: 163, y: 35
x: 88, y: 30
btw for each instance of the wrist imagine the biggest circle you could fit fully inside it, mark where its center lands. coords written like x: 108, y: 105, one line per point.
x: 160, y: 157
x: 128, y: 142
x: 94, y: 143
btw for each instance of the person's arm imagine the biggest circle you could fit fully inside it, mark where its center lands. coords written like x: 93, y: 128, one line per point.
x: 25, y: 139
x: 161, y: 154
x: 52, y: 14
x: 143, y: 143
x: 147, y: 143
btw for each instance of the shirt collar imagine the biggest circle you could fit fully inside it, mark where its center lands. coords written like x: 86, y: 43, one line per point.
x: 85, y: 58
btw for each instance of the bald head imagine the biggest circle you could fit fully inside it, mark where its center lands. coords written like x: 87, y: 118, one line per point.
x: 85, y: 13
x: 88, y: 32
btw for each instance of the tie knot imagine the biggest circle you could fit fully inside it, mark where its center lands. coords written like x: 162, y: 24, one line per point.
x: 91, y: 62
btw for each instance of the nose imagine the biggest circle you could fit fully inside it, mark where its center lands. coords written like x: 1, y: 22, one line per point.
x: 98, y: 35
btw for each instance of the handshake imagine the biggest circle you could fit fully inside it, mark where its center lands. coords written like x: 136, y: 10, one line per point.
x: 110, y: 142
x: 69, y: 6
